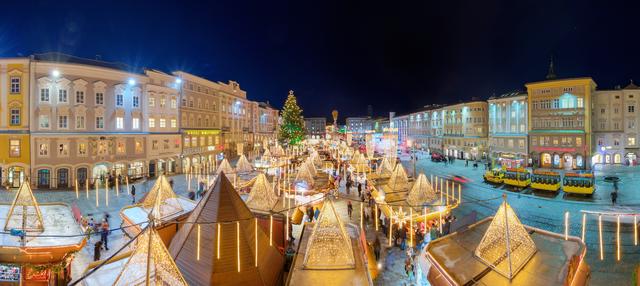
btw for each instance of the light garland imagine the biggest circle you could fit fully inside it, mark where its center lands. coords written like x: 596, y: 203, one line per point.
x: 86, y: 188
x: 459, y: 193
x: 198, y: 245
x: 77, y: 193
x: 411, y: 226
x: 376, y: 216
x: 390, y: 226
x: 584, y: 225
x: 256, y: 240
x: 218, y: 241
x: 238, y: 242
x: 117, y: 187
x: 619, y: 255
x: 600, y: 236
x: 566, y: 226
x: 270, y: 230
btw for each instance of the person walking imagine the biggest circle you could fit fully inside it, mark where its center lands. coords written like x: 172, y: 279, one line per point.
x: 376, y: 248
x: 349, y: 209
x: 133, y: 194
x: 614, y: 197
x: 466, y: 163
x: 104, y: 234
x: 316, y: 214
x: 348, y: 186
x: 359, y: 189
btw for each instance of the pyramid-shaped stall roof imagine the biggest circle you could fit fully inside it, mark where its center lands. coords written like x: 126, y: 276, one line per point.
x: 223, y: 204
x: 243, y: 165
x: 262, y: 197
x: 421, y: 192
x: 161, y: 199
x: 225, y: 167
x: 24, y: 213
x: 311, y: 167
x: 398, y: 178
x: 385, y: 167
x: 329, y: 246
x: 304, y: 175
x: 506, y: 246
x: 150, y: 254
x: 266, y: 154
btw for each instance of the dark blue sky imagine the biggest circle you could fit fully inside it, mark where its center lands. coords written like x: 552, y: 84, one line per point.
x: 395, y: 55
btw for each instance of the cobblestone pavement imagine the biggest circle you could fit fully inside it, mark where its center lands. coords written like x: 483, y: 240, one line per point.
x: 548, y: 213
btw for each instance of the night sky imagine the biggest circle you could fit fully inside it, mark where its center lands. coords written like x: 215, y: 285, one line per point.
x: 394, y: 55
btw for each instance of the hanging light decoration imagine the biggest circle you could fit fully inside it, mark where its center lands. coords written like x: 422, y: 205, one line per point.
x: 106, y: 192
x: 86, y: 187
x: 376, y: 215
x: 96, y: 182
x: 566, y: 226
x: 256, y: 240
x: 198, y: 245
x: 238, y: 243
x: 218, y: 241
x: 584, y: 225
x: 600, y: 236
x: 271, y: 230
x: 635, y: 229
x: 618, y: 252
x: 77, y: 193
x: 127, y: 182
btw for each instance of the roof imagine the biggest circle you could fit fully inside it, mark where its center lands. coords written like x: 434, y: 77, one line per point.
x: 453, y: 256
x: 631, y: 85
x: 514, y: 93
x: 57, y: 57
x: 27, y: 215
x: 329, y: 246
x: 222, y: 209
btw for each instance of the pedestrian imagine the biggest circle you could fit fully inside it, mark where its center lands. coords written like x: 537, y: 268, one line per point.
x: 133, y: 194
x: 348, y: 186
x: 192, y: 195
x: 171, y: 183
x: 316, y: 214
x: 614, y: 197
x: 466, y: 163
x: 349, y: 208
x: 96, y: 250
x: 104, y: 234
x: 359, y: 189
x: 310, y: 214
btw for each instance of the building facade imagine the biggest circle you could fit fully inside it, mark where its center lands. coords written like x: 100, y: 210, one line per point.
x: 357, y: 127
x: 508, y: 145
x: 560, y: 122
x: 315, y: 127
x: 14, y: 121
x: 615, y: 130
x: 265, y: 124
x: 236, y: 118
x: 199, y: 122
x: 465, y: 130
x: 88, y: 121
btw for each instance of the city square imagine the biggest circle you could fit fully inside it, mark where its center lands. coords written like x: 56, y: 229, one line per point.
x: 329, y: 143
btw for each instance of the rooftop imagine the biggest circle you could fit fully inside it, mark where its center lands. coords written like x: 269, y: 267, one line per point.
x: 64, y: 58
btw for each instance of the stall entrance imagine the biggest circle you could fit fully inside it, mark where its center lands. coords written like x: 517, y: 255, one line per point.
x: 63, y: 178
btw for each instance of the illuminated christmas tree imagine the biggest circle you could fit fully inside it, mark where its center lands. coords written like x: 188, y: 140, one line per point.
x: 292, y: 127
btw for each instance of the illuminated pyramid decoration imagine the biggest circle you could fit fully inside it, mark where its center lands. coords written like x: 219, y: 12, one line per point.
x: 277, y: 151
x: 329, y: 246
x: 24, y: 213
x: 261, y: 196
x: 304, y: 175
x: 506, y: 246
x: 385, y: 167
x: 150, y: 258
x: 311, y: 167
x: 398, y: 178
x: 266, y: 155
x: 225, y: 167
x: 161, y: 199
x: 243, y: 165
x: 421, y: 192
x: 356, y: 157
x: 360, y: 163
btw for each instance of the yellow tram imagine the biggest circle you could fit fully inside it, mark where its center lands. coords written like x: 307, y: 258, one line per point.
x: 517, y: 177
x: 545, y: 180
x: 577, y: 183
x: 494, y: 176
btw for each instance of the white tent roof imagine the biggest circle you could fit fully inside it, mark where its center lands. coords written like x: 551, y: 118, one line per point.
x: 225, y: 167
x: 421, y: 192
x: 243, y: 165
x: 262, y: 197
x: 329, y: 246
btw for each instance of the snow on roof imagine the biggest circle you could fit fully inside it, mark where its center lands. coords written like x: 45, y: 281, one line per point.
x: 57, y: 219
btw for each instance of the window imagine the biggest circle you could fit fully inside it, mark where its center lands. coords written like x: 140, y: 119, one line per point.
x: 152, y: 102
x: 154, y: 145
x: 82, y: 149
x: 44, y: 95
x: 15, y: 116
x: 184, y: 102
x: 14, y: 148
x: 580, y: 102
x: 152, y: 123
x: 163, y: 123
x: 165, y: 144
x: 63, y: 149
x: 121, y: 147
x: 99, y: 122
x: 631, y: 141
x: 99, y: 98
x: 44, y: 121
x: 80, y: 97
x: 631, y: 124
x: 174, y: 123
x: 119, y: 123
x: 63, y: 122
x: 616, y: 142
x: 62, y: 96
x: 15, y: 84
x: 578, y: 141
x: 139, y: 147
x: 135, y: 123
x: 136, y: 101
x: 43, y: 149
x: 119, y: 100
x: 602, y: 110
x: 163, y: 101
x: 174, y: 103
x: 80, y: 122
x: 631, y: 108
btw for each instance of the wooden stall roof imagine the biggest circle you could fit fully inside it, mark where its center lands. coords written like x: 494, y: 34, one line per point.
x: 222, y: 204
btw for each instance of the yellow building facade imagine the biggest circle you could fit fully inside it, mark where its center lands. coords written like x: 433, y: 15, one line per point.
x: 14, y: 121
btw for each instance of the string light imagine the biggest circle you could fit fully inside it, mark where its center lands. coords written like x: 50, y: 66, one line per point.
x: 198, y: 245
x: 218, y: 241
x: 566, y: 226
x: 448, y: 192
x: 117, y: 187
x: 127, y: 181
x: 376, y: 216
x: 106, y: 191
x: 97, y: 182
x: 584, y: 225
x: 600, y: 236
x: 361, y: 216
x: 238, y: 243
x: 77, y: 193
x: 440, y: 222
x: 618, y: 237
x: 271, y: 230
x: 86, y: 187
